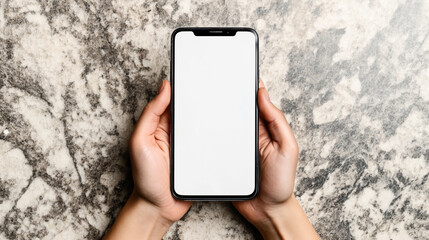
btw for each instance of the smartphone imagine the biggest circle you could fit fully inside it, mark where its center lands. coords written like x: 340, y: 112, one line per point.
x: 214, y: 114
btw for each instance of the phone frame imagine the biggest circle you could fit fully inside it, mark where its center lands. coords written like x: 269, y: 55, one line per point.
x: 214, y: 31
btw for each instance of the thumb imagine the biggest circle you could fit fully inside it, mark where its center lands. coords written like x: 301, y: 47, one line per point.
x: 151, y: 115
x: 277, y: 125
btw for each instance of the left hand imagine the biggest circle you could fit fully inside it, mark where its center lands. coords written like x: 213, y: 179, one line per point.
x: 150, y: 157
x: 151, y: 209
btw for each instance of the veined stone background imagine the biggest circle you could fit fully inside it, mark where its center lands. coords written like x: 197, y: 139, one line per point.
x: 352, y: 78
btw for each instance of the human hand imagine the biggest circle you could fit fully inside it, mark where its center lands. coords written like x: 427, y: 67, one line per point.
x: 150, y: 157
x: 151, y: 209
x: 275, y: 210
x: 278, y: 151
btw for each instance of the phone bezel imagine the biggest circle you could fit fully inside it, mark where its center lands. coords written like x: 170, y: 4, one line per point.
x: 214, y: 31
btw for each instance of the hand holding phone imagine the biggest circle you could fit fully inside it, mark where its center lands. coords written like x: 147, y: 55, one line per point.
x: 275, y: 211
x: 151, y: 209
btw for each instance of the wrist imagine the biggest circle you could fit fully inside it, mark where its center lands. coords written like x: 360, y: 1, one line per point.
x: 139, y: 219
x: 148, y: 210
x: 273, y: 215
x: 286, y: 220
x: 277, y: 215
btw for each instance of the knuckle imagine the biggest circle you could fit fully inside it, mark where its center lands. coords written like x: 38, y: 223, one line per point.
x: 291, y: 150
x: 148, y: 106
x: 280, y: 113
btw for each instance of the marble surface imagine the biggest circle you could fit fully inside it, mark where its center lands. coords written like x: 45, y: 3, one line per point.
x: 352, y: 78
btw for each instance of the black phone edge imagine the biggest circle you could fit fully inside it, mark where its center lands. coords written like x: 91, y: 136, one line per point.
x: 257, y: 168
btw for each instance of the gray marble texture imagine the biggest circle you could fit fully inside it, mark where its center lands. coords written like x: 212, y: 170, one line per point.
x: 352, y: 77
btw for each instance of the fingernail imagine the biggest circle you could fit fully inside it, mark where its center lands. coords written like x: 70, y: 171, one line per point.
x: 161, y: 87
x: 267, y: 96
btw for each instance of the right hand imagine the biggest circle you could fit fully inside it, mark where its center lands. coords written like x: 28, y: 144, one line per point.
x: 278, y: 151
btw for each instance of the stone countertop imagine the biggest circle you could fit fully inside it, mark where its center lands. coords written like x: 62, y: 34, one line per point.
x: 351, y: 77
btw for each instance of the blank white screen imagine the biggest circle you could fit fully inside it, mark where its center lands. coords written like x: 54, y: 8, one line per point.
x: 214, y: 114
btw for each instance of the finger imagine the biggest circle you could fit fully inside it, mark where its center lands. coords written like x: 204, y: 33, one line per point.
x: 162, y: 133
x: 261, y: 83
x: 264, y: 136
x: 151, y: 115
x: 277, y: 125
x: 164, y: 121
x: 263, y: 132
